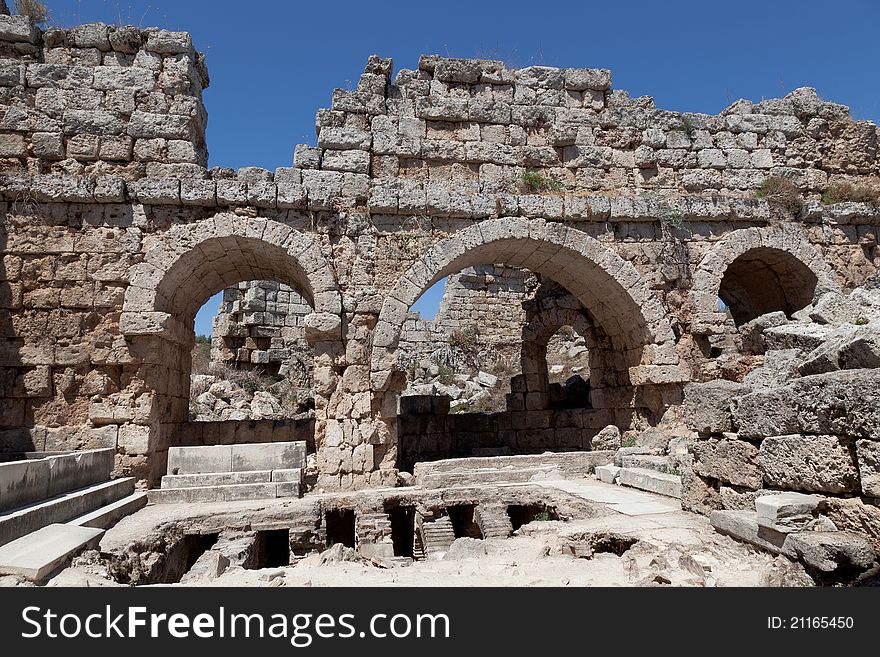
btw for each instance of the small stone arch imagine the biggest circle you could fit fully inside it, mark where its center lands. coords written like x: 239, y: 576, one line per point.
x: 190, y: 262
x: 760, y: 270
x: 183, y: 267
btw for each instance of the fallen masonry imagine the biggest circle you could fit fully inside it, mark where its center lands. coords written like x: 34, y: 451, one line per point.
x: 652, y: 323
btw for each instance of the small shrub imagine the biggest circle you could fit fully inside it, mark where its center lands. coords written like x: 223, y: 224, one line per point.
x: 629, y: 441
x: 670, y: 217
x: 35, y: 10
x: 781, y: 193
x: 543, y: 516
x: 203, y: 339
x: 536, y: 181
x: 843, y: 191
x: 860, y: 321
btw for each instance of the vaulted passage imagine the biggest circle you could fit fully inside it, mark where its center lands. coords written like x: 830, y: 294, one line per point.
x: 765, y: 280
x: 582, y: 286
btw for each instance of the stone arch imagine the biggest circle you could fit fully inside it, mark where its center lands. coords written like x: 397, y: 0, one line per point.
x: 609, y: 286
x: 760, y: 270
x: 183, y: 267
x: 190, y: 262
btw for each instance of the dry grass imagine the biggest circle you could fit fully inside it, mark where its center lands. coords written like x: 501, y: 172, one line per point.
x: 781, y: 193
x: 842, y: 192
x: 35, y: 10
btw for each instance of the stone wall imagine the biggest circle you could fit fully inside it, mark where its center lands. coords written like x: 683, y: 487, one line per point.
x: 429, y: 432
x: 101, y: 101
x: 261, y: 324
x: 485, y: 302
x: 639, y: 213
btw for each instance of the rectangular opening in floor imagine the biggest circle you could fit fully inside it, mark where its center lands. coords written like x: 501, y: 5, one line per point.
x: 403, y: 526
x: 339, y: 524
x: 271, y: 549
x: 523, y: 514
x: 462, y: 518
x: 182, y: 555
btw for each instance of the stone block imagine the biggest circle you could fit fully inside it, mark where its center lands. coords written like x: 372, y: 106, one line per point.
x: 868, y: 456
x: 731, y: 461
x: 707, y: 406
x: 814, y: 463
x: 785, y: 512
x: 838, y: 403
x: 39, y: 554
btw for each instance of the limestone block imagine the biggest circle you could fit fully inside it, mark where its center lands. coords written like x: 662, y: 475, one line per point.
x: 168, y: 43
x: 707, y: 406
x: 355, y: 161
x: 124, y: 77
x: 580, y: 79
x: 785, y: 512
x: 831, y: 551
x: 868, y: 455
x: 151, y: 125
x: 12, y: 145
x: 731, y: 461
x: 813, y: 463
x: 95, y: 122
x: 18, y: 28
x: 838, y: 403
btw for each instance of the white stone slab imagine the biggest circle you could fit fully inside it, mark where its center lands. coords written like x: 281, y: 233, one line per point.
x: 42, y: 552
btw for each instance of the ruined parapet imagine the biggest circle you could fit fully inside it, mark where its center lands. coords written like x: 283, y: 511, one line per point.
x: 99, y: 100
x: 483, y: 303
x: 262, y: 324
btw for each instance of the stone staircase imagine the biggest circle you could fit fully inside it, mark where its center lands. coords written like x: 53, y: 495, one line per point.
x: 435, y: 537
x: 224, y: 473
x: 53, y: 506
x: 649, y: 473
x: 493, y: 521
x: 485, y: 470
x: 373, y: 532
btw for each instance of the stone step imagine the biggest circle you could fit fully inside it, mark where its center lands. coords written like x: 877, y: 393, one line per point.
x: 236, y: 458
x: 662, y: 464
x: 743, y: 526
x: 437, y: 536
x: 487, y: 476
x: 577, y: 464
x: 60, y: 509
x: 607, y: 473
x: 228, y: 493
x: 493, y: 521
x: 107, y: 516
x: 651, y: 481
x: 215, y: 479
x: 45, y: 550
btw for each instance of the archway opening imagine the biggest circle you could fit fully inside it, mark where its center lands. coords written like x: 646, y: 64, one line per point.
x: 165, y: 347
x: 764, y: 280
x: 579, y: 290
x: 251, y: 360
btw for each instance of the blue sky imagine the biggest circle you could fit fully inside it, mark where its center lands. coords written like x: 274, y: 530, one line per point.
x: 273, y: 64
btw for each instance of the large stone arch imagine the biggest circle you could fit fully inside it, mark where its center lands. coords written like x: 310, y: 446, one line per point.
x: 782, y: 252
x: 182, y: 268
x: 606, y: 284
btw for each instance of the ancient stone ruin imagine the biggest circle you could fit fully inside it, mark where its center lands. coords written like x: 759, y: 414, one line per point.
x: 718, y: 274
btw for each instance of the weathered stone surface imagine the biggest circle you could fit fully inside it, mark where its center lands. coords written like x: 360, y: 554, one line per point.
x: 785, y: 512
x: 707, y: 406
x: 854, y: 515
x: 868, y: 456
x: 732, y: 461
x: 830, y: 552
x: 607, y: 438
x: 834, y: 403
x: 810, y: 463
